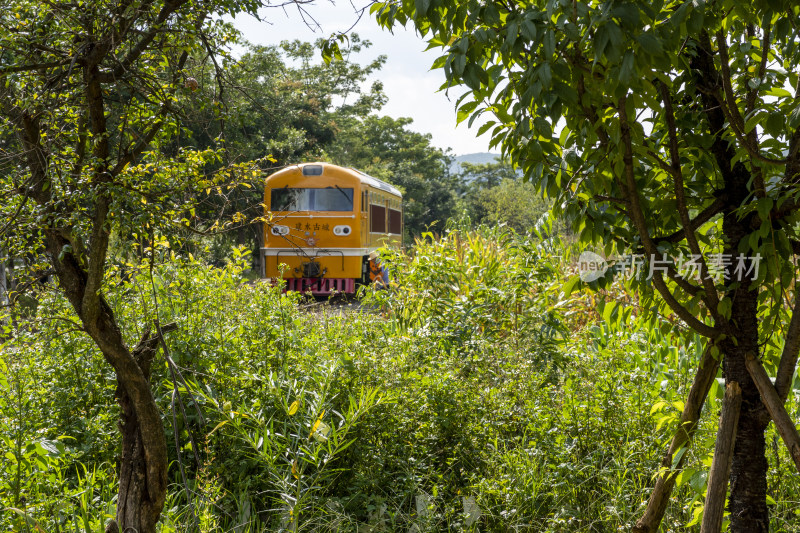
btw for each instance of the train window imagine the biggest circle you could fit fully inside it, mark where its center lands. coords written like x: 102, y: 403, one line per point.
x: 377, y: 215
x: 395, y: 221
x: 306, y: 199
x: 364, y: 201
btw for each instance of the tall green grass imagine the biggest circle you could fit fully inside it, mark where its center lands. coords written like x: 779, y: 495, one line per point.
x: 475, y: 376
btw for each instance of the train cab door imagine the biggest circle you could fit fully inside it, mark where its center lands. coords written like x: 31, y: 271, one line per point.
x: 364, y: 217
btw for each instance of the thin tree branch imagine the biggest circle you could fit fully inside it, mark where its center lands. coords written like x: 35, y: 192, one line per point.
x: 714, y: 208
x: 38, y: 66
x: 98, y: 245
x: 752, y: 94
x: 144, y: 41
x: 641, y: 225
x: 712, y: 299
x: 145, y: 141
x: 728, y: 105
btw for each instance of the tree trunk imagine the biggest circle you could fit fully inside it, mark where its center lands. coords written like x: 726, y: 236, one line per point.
x: 136, y: 507
x: 777, y: 412
x: 748, y: 478
x: 143, y: 464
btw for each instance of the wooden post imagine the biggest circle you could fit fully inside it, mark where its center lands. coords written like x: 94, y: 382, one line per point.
x: 723, y: 455
x: 657, y: 504
x: 769, y: 396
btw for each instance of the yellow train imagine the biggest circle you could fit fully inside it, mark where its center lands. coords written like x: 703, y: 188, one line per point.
x: 325, y: 224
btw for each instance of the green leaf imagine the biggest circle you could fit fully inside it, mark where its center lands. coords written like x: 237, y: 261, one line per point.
x: 600, y: 42
x: 485, y: 127
x: 764, y: 206
x: 626, y: 70
x: 528, y: 30
x: 684, y: 476
x: 217, y: 427
x: 471, y: 77
x: 774, y: 125
x: 628, y: 14
x: 608, y: 310
x: 651, y: 44
x: 569, y: 287
x: 676, y: 459
x: 753, y: 121
x: 465, y: 110
x: 544, y: 75
x: 724, y: 307
x: 459, y: 62
x: 549, y: 44
x: 794, y: 117
x: 779, y: 92
x: 657, y: 407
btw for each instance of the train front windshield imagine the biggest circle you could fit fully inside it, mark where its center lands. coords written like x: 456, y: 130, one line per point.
x: 307, y: 199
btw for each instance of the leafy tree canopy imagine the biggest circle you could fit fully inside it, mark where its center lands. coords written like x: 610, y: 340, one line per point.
x: 91, y: 102
x: 494, y: 193
x: 486, y: 174
x: 515, y: 203
x: 387, y: 149
x: 665, y: 128
x: 274, y: 105
x: 278, y: 101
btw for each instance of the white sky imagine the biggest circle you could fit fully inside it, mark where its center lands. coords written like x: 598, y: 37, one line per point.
x: 410, y: 85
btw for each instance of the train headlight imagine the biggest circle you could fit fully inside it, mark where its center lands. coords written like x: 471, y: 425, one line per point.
x: 280, y: 230
x: 341, y: 230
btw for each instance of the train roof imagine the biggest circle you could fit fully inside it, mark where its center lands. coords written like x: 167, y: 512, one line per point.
x: 364, y: 177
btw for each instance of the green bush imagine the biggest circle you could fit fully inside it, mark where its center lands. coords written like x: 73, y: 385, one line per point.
x: 475, y: 376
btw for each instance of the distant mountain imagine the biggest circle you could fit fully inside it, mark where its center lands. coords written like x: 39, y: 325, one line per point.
x: 476, y: 159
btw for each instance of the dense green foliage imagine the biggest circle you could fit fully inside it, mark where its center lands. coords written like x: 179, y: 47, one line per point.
x: 669, y: 129
x: 278, y: 105
x: 474, y: 376
x: 90, y: 110
x: 271, y: 106
x: 476, y: 381
x: 494, y: 193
